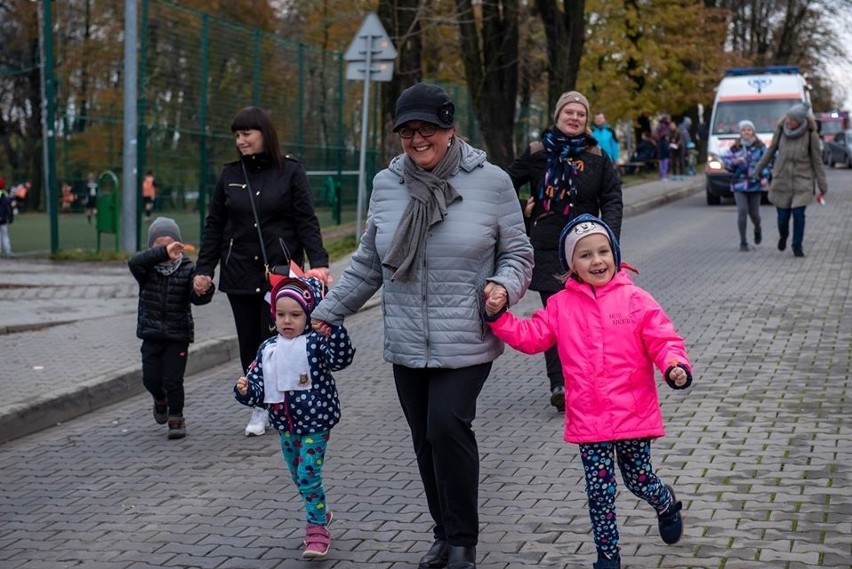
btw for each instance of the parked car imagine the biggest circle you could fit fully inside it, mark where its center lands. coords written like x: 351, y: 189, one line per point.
x: 838, y: 150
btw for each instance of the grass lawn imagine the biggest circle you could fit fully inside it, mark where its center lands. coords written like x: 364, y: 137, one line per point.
x: 78, y: 239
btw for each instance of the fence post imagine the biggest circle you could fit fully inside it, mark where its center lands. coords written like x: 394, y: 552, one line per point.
x: 203, y: 127
x: 48, y: 120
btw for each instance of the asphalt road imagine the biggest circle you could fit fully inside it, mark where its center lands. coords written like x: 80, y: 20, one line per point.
x: 759, y: 449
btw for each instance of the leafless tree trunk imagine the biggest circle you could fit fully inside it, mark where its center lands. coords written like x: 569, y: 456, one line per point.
x: 564, y: 30
x: 489, y: 49
x: 401, y: 19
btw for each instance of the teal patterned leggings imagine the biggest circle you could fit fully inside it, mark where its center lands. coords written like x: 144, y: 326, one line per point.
x: 634, y: 460
x: 305, y: 456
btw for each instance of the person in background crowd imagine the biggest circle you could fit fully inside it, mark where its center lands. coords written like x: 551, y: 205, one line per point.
x: 677, y: 152
x: 746, y: 181
x: 149, y: 192
x: 685, y: 141
x: 91, y: 197
x: 7, y: 216
x: 646, y: 151
x: 664, y: 154
x: 19, y: 196
x: 605, y: 135
x: 441, y: 193
x: 282, y: 198
x: 66, y: 198
x: 796, y: 171
x: 568, y: 175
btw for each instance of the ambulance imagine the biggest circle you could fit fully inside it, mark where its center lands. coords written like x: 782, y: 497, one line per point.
x: 762, y: 95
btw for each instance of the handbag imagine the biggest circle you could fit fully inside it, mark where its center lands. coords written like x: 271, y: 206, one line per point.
x: 275, y: 273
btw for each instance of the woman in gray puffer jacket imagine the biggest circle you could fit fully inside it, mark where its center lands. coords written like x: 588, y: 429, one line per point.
x: 445, y: 230
x: 797, y: 168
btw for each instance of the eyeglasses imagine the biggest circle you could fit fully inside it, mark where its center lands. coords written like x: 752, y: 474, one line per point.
x: 425, y: 131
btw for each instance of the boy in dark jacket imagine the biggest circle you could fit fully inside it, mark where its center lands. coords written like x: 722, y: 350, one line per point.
x: 164, y: 322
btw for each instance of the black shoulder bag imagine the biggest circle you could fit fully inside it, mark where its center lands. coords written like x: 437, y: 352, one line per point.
x: 274, y: 273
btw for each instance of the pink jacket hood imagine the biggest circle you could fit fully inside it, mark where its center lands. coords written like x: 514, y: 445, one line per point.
x: 609, y: 340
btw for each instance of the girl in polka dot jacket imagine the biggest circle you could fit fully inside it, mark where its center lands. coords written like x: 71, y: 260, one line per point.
x: 291, y: 378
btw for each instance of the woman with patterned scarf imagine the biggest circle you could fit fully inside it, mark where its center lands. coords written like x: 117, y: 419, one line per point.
x: 568, y: 176
x: 796, y: 170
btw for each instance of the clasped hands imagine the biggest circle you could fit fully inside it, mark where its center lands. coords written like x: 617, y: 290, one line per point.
x: 496, y: 299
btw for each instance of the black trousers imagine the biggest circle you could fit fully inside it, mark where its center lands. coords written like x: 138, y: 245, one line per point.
x: 440, y: 406
x: 163, y: 367
x: 551, y: 356
x: 254, y: 323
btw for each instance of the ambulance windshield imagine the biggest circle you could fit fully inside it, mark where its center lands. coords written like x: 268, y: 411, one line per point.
x: 765, y: 114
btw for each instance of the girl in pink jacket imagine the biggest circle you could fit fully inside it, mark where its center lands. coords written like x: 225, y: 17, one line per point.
x: 610, y: 334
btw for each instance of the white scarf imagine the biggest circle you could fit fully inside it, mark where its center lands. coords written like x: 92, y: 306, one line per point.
x: 285, y: 368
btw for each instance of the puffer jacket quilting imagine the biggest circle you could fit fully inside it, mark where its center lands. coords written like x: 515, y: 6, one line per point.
x: 164, y: 301
x: 314, y: 410
x: 285, y: 207
x: 435, y: 319
x: 609, y: 341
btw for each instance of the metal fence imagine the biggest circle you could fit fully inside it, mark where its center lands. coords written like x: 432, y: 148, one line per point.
x: 195, y: 72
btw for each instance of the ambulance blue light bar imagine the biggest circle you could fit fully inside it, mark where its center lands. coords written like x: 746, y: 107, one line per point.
x: 771, y: 70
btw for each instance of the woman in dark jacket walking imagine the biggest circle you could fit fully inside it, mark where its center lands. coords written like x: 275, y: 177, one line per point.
x: 282, y: 198
x: 568, y: 175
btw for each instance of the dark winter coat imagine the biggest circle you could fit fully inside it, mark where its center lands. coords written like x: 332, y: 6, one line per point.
x: 598, y: 193
x: 7, y: 214
x: 285, y: 207
x: 314, y: 410
x: 164, y: 301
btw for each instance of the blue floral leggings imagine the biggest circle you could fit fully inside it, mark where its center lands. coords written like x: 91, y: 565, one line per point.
x: 305, y: 456
x: 634, y: 461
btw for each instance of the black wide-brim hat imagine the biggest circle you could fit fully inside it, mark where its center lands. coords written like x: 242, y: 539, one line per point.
x: 424, y: 102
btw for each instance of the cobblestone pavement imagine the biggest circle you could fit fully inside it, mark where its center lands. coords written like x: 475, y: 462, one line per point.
x: 758, y: 449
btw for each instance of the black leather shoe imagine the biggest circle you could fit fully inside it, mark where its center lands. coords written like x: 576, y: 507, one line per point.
x: 462, y: 557
x: 436, y: 557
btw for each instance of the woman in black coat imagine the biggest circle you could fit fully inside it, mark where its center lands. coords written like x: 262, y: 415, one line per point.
x: 568, y: 175
x: 288, y: 223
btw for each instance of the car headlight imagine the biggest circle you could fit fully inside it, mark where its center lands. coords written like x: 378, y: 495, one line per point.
x: 714, y: 162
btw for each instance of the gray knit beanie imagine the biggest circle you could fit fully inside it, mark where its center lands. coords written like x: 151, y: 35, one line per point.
x: 799, y: 112
x: 162, y: 227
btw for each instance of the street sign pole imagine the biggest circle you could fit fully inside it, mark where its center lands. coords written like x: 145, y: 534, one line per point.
x: 369, y: 58
x: 362, y: 160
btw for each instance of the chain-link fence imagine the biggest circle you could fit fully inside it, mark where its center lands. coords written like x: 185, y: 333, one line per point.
x: 195, y: 71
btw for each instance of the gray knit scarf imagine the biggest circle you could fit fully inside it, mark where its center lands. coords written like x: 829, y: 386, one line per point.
x: 430, y: 194
x: 796, y: 132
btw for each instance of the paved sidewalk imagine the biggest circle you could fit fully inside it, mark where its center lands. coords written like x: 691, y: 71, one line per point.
x: 759, y: 449
x: 68, y: 330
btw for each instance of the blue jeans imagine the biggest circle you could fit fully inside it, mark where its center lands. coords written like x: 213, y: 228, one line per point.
x: 798, y: 214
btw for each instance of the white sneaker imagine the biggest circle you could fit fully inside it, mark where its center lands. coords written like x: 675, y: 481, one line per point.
x: 258, y: 422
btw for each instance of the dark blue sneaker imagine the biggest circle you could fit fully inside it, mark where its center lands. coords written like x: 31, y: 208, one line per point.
x: 670, y: 521
x: 605, y: 562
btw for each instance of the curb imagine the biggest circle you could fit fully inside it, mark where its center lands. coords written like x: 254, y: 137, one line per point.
x: 651, y: 203
x: 40, y: 413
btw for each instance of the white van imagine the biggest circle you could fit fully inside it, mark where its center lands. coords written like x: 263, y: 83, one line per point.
x: 763, y: 96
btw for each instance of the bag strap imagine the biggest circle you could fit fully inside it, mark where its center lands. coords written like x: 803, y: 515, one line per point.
x: 256, y: 218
